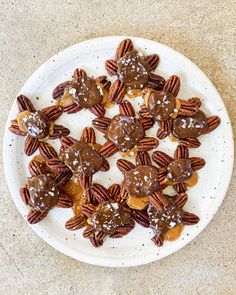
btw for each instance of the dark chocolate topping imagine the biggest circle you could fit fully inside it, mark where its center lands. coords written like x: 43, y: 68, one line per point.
x: 160, y: 222
x: 85, y: 92
x: 125, y: 132
x: 179, y: 170
x: 109, y: 217
x: 37, y: 125
x: 133, y: 70
x: 161, y: 104
x: 194, y: 126
x: 81, y: 158
x: 43, y: 192
x: 142, y: 181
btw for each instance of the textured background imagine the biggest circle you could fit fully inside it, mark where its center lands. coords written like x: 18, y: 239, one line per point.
x: 31, y: 32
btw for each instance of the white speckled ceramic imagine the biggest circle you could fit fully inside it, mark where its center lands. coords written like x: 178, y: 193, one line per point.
x: 204, y: 199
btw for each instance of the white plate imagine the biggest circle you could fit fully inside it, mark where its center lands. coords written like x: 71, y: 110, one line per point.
x: 217, y: 148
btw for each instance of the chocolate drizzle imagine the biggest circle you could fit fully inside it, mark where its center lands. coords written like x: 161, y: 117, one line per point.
x: 85, y: 93
x: 43, y: 192
x: 161, y: 104
x: 81, y: 158
x: 184, y: 127
x: 109, y: 217
x: 125, y: 132
x: 179, y: 170
x: 160, y: 222
x: 142, y: 181
x: 133, y: 70
x: 37, y: 125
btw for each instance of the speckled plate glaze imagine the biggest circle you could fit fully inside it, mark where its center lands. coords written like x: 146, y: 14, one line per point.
x: 217, y: 148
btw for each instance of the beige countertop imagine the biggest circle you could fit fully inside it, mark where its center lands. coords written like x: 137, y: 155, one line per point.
x: 31, y: 32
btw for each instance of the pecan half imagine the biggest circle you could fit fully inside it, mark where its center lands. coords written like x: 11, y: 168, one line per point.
x: 141, y: 217
x: 24, y: 104
x: 67, y: 141
x: 31, y: 145
x: 213, y: 122
x: 62, y: 178
x: 59, y: 131
x: 180, y: 187
x: 108, y: 149
x: 72, y: 108
x: 162, y: 173
x: 25, y: 196
x: 196, y: 101
x: 164, y: 128
x: 124, y: 165
x: 79, y: 73
x: 88, y: 232
x: 143, y: 158
x: 181, y: 200
x: 190, y: 218
x: 53, y: 112
x: 100, y: 193
x: 156, y: 82
x: 117, y: 91
x: 56, y: 164
x: 197, y: 163
x: 47, y: 151
x: 190, y: 142
x: 95, y: 242
x: 59, y: 90
x: 126, y: 108
x: 181, y: 152
x: 88, y: 135
x: 146, y: 122
x: 114, y: 191
x: 121, y: 231
x: 64, y: 201
x: 35, y: 216
x: 14, y: 128
x: 158, y: 240
x: 124, y: 47
x: 98, y: 110
x: 158, y: 200
x: 105, y: 83
x: 36, y: 168
x: 152, y: 60
x: 101, y: 124
x: 105, y: 166
x: 75, y: 223
x: 111, y: 67
x: 172, y: 85
x: 187, y: 108
x: 147, y: 144
x: 88, y: 209
x: 161, y: 158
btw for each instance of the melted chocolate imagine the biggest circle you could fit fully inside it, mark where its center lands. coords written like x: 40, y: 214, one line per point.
x: 161, y: 105
x: 81, y: 158
x: 194, y: 126
x: 160, y: 222
x: 43, y: 192
x: 142, y: 181
x: 179, y: 170
x: 37, y: 125
x: 85, y: 92
x: 133, y: 70
x: 125, y: 132
x: 109, y: 217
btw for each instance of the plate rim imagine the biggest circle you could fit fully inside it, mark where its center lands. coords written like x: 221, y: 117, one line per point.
x: 132, y: 261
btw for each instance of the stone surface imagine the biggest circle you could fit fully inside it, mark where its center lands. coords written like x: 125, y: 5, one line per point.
x: 31, y: 32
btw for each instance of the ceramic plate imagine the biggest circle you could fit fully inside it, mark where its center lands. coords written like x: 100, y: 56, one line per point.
x: 204, y: 199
